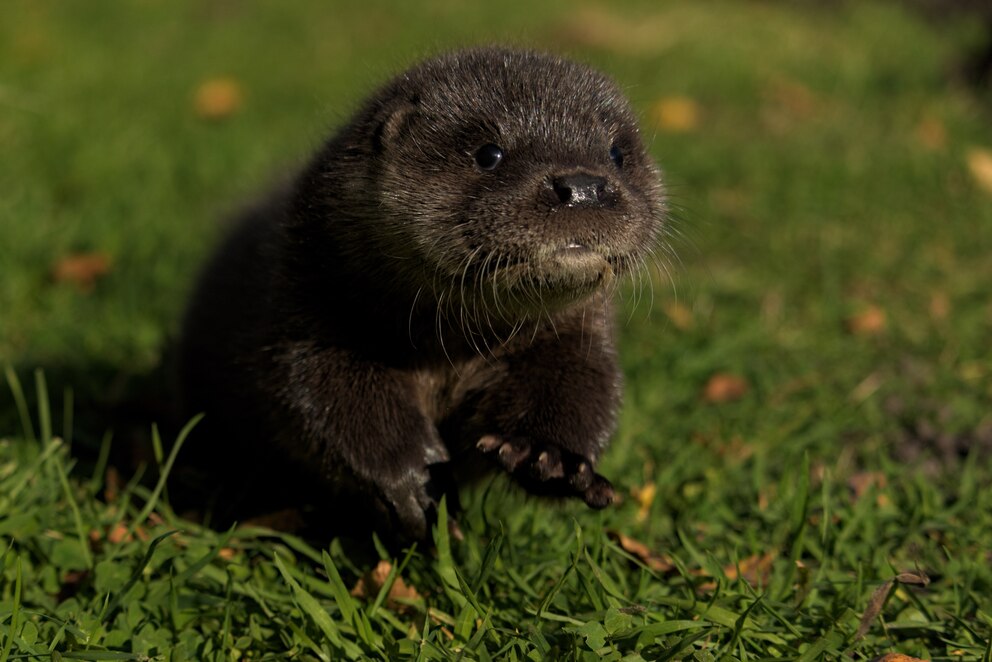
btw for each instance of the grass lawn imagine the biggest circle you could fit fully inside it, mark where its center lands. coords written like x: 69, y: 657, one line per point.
x: 805, y: 449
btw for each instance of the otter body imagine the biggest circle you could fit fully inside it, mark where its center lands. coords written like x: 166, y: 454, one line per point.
x: 430, y: 294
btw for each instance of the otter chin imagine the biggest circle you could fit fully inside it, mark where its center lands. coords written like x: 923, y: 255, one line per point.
x: 548, y: 283
x: 429, y: 298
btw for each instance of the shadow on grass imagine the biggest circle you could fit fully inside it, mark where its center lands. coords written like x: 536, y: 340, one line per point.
x: 87, y: 405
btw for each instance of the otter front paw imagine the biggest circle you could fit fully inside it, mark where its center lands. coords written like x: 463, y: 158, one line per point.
x: 409, y: 502
x: 548, y: 469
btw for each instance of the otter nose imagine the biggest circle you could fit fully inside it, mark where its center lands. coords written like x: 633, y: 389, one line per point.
x: 580, y: 190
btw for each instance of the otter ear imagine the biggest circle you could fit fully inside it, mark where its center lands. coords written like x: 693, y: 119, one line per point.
x: 394, y: 121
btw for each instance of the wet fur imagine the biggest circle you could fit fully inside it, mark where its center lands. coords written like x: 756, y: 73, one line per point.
x: 398, y: 315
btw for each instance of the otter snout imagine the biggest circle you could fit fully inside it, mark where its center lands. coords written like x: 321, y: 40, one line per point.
x: 582, y: 189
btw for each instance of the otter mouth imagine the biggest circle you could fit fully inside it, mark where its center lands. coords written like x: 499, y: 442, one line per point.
x: 575, y: 266
x: 550, y: 280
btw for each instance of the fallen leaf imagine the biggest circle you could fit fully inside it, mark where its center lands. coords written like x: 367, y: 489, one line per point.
x: 930, y: 133
x: 218, y: 98
x: 724, y: 387
x: 980, y: 165
x: 679, y: 314
x: 369, y: 585
x: 735, y: 449
x: 226, y: 553
x: 896, y: 657
x: 917, y: 577
x: 81, y: 270
x: 793, y: 97
x: 865, y: 481
x: 119, y: 534
x: 656, y: 562
x: 596, y: 27
x: 940, y: 306
x: 644, y: 497
x: 860, y: 483
x: 869, y: 322
x: 874, y: 608
x: 111, y: 485
x: 755, y: 570
x: 676, y: 114
x: 288, y: 520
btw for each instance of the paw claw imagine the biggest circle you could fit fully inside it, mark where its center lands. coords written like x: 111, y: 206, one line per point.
x: 488, y: 443
x: 512, y: 455
x: 600, y: 493
x: 546, y: 468
x: 581, y: 479
x: 548, y: 465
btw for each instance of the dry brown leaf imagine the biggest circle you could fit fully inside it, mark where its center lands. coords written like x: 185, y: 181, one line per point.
x: 940, y: 306
x: 874, y: 608
x: 896, y: 657
x: 679, y: 314
x: 369, y: 585
x: 676, y: 114
x: 793, y: 97
x: 81, y: 270
x: 226, y: 553
x: 865, y: 481
x: 111, y: 485
x: 869, y: 322
x: 218, y: 98
x: 644, y: 496
x: 755, y: 570
x: 724, y: 387
x: 597, y: 27
x: 861, y: 482
x: 120, y: 534
x: 288, y: 520
x: 917, y: 577
x: 736, y: 449
x: 980, y: 165
x: 930, y: 133
x: 656, y: 562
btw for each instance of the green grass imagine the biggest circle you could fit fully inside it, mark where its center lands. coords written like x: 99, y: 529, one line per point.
x: 804, y: 196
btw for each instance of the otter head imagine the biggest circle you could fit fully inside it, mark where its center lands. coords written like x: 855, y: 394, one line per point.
x: 510, y: 181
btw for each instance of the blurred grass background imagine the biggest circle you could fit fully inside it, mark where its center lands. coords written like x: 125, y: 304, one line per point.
x: 830, y: 170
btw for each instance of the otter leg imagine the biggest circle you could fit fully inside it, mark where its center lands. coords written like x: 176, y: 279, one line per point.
x: 368, y: 439
x: 545, y: 414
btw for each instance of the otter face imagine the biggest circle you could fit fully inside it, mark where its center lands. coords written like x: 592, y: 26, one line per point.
x: 533, y: 188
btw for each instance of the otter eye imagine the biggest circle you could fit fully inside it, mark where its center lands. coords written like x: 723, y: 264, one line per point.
x: 488, y: 156
x: 616, y: 155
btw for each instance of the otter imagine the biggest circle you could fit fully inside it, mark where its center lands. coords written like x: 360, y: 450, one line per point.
x: 431, y: 294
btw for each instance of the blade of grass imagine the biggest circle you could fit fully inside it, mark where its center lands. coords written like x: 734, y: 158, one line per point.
x: 100, y: 468
x: 44, y: 406
x: 159, y: 456
x: 15, y: 615
x: 20, y: 402
x: 76, y: 515
x: 317, y: 614
x: 200, y: 563
x: 67, y: 414
x: 342, y: 596
x: 163, y: 476
x: 115, y: 603
x: 445, y: 562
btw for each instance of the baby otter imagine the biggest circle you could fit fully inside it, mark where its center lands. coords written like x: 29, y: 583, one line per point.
x: 431, y: 293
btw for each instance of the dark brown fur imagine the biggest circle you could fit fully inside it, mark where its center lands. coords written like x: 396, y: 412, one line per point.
x: 399, y: 312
